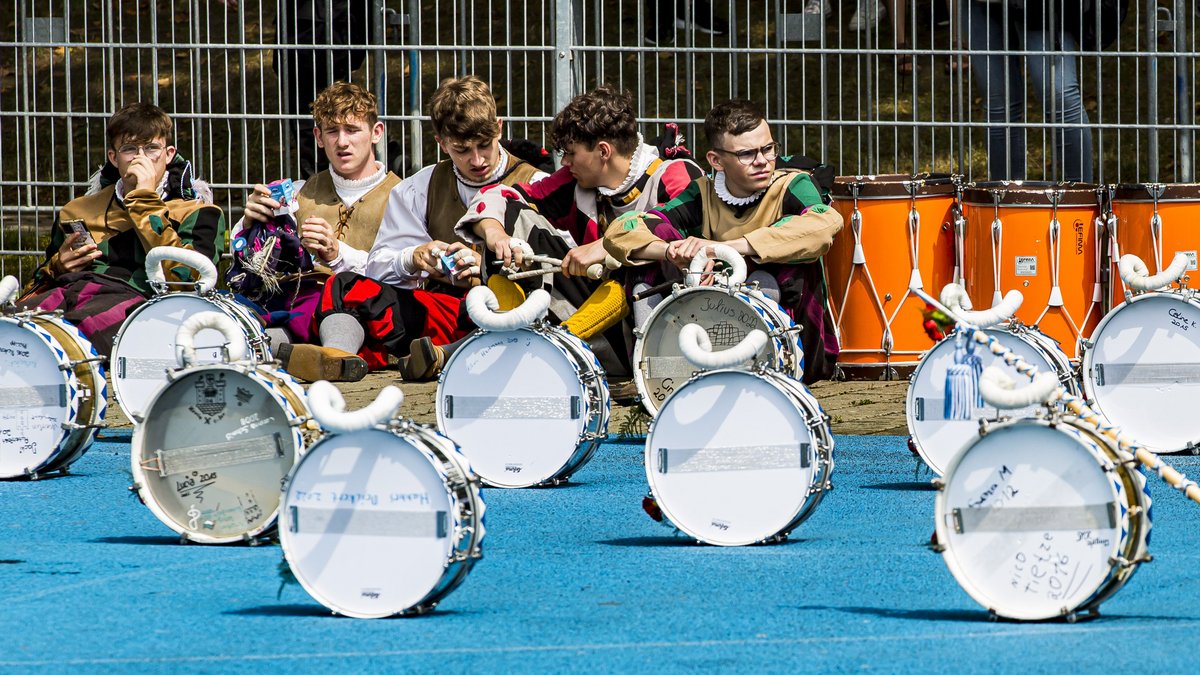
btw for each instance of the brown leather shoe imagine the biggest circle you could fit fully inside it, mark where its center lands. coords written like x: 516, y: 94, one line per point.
x: 314, y: 362
x: 424, y: 361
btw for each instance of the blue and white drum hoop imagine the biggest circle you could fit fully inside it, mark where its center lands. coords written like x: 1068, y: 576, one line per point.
x: 528, y: 407
x: 728, y: 314
x: 737, y: 457
x: 217, y: 442
x: 53, y: 394
x: 1040, y: 518
x: 1141, y: 370
x: 144, y: 346
x: 378, y: 522
x: 938, y: 439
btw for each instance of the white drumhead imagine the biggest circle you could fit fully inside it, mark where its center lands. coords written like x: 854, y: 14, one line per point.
x: 1029, y: 520
x: 367, y: 523
x: 730, y: 459
x: 36, y: 398
x: 660, y: 367
x: 514, y: 404
x: 1143, y: 370
x: 938, y: 439
x: 213, y: 452
x: 144, y: 347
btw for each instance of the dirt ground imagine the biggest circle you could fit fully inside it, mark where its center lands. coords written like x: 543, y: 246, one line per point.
x: 854, y: 407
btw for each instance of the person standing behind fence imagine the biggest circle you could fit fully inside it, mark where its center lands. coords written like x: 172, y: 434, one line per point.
x: 999, y: 26
x: 776, y: 218
x: 145, y: 196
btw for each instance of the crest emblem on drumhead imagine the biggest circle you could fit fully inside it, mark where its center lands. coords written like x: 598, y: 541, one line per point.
x: 726, y: 334
x: 210, y: 397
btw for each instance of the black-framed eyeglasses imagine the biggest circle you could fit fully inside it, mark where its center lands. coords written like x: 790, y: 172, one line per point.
x: 151, y: 150
x: 769, y: 152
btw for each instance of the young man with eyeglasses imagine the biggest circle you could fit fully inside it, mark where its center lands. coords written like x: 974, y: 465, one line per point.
x: 776, y: 218
x: 144, y: 196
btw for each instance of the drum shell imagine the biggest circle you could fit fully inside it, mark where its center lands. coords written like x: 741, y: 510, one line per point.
x: 1025, y: 211
x: 1133, y: 207
x: 91, y: 376
x: 870, y: 301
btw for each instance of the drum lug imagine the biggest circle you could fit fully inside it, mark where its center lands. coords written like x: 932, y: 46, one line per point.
x: 938, y: 483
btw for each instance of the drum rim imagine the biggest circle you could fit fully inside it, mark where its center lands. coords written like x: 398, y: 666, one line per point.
x: 638, y: 375
x: 823, y: 450
x: 895, y: 186
x: 1137, y: 193
x: 1072, y: 427
x: 456, y: 568
x: 1073, y: 194
x: 150, y: 499
x: 595, y: 415
x: 1089, y: 359
x: 79, y: 440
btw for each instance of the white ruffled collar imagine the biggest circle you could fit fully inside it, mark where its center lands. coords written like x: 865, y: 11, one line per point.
x: 501, y: 166
x: 345, y: 184
x: 725, y: 196
x: 642, y: 156
x: 162, y: 189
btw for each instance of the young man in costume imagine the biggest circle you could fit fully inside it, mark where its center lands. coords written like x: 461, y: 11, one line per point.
x: 145, y: 196
x: 607, y: 170
x: 775, y: 218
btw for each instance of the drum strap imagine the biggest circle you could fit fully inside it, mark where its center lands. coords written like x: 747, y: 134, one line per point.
x: 1034, y: 518
x: 370, y: 523
x: 33, y: 397
x: 734, y: 458
x: 513, y: 407
x: 1113, y: 374
x: 211, y: 456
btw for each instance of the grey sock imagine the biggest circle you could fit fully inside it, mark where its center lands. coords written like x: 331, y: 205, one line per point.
x: 341, y: 331
x: 279, y: 336
x: 766, y: 284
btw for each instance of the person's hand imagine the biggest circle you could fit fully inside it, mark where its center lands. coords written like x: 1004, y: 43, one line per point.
x: 577, y: 261
x: 260, y: 207
x: 141, y: 174
x: 318, y: 238
x: 466, y: 263
x: 71, y: 259
x: 681, y: 251
x: 500, y: 243
x: 426, y: 261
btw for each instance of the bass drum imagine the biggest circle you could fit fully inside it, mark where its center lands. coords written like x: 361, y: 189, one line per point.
x: 738, y: 457
x: 728, y: 314
x: 377, y: 523
x: 214, y: 449
x: 53, y: 394
x: 527, y: 407
x: 144, y: 346
x: 937, y: 439
x: 1040, y: 519
x: 1142, y: 370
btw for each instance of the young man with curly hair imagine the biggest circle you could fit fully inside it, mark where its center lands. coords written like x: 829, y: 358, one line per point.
x: 775, y: 218
x: 145, y: 196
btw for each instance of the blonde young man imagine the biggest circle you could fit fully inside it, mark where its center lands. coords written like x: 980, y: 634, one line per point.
x: 775, y: 218
x: 144, y: 196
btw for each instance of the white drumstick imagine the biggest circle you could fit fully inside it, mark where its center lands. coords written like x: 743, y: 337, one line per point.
x: 999, y: 390
x: 194, y: 259
x: 697, y: 348
x: 1136, y: 276
x: 8, y: 289
x: 955, y: 298
x: 235, y: 339
x: 329, y: 408
x: 724, y: 253
x: 482, y: 305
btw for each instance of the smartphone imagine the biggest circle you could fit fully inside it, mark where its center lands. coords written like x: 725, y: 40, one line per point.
x: 78, y: 227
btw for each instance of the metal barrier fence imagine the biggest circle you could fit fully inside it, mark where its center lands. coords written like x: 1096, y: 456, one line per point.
x: 898, y: 94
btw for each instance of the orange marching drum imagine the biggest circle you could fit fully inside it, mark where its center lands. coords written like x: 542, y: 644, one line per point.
x: 899, y: 235
x: 1153, y: 221
x: 1042, y: 239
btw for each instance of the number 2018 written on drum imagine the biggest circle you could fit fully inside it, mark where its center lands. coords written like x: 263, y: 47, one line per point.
x: 1179, y: 320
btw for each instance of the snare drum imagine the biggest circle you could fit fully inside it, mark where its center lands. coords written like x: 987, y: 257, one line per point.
x: 870, y: 280
x: 527, y: 407
x: 377, y: 523
x: 736, y: 457
x: 1141, y: 370
x: 53, y: 394
x: 214, y: 448
x: 144, y: 346
x: 938, y: 439
x: 728, y: 314
x: 1041, y: 239
x: 1042, y: 519
x: 1153, y: 222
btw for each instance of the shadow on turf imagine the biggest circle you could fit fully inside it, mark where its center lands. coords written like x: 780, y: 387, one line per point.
x: 918, y: 486
x: 678, y: 541
x: 972, y: 616
x: 314, y: 610
x: 139, y: 540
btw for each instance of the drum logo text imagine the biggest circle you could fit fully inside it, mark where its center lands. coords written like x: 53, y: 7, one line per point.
x: 210, y: 397
x: 720, y: 524
x: 1078, y: 238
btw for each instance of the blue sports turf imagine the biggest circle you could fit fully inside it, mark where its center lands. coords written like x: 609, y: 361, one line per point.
x: 574, y: 578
